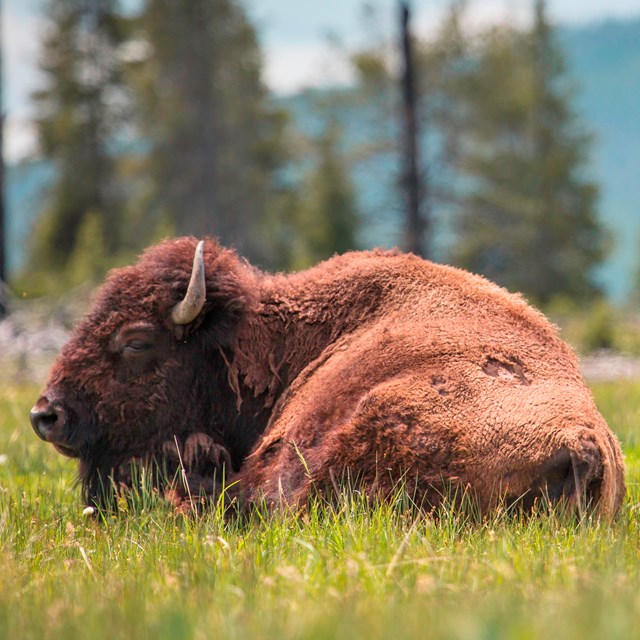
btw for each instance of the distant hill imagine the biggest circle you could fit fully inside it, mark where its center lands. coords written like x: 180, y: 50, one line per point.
x: 604, y: 60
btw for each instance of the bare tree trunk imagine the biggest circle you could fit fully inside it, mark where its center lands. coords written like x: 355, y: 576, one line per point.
x: 413, y: 184
x: 3, y: 243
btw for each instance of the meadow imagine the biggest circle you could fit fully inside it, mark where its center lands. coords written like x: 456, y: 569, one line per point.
x: 346, y: 572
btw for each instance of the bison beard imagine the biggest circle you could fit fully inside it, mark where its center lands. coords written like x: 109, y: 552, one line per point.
x: 377, y: 365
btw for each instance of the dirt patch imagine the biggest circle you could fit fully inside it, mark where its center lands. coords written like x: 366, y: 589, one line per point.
x: 604, y: 366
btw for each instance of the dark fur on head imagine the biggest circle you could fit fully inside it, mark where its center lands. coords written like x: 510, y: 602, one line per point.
x: 120, y: 401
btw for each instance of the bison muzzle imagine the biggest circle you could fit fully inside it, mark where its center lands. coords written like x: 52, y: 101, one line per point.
x: 376, y: 366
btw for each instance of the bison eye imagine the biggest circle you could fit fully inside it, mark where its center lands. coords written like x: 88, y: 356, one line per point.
x: 137, y: 346
x: 134, y: 339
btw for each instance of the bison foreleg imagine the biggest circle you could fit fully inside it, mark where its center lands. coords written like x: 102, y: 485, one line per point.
x: 204, y: 456
x: 201, y: 465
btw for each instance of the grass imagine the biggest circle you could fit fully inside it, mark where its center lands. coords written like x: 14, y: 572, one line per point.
x: 349, y: 572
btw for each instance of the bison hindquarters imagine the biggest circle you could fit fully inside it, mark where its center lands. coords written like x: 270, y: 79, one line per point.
x: 438, y: 440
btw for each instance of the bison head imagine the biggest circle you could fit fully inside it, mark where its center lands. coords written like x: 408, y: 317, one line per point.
x: 131, y: 376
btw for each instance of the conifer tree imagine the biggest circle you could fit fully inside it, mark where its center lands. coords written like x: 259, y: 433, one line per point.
x: 318, y: 216
x: 77, y: 117
x: 528, y: 217
x: 328, y: 216
x: 214, y: 141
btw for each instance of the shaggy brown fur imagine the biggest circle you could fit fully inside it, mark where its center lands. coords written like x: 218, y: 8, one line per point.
x: 379, y: 364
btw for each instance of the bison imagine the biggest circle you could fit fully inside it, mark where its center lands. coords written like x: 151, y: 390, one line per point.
x: 378, y: 365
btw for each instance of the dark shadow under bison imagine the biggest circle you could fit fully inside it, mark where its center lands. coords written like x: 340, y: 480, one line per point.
x: 378, y: 365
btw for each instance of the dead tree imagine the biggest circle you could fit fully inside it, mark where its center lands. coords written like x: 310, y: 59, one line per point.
x: 413, y: 180
x: 3, y: 242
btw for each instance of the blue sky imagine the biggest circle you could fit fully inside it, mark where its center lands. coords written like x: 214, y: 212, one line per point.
x: 293, y: 34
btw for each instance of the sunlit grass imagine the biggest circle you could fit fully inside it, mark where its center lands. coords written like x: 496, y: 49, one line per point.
x: 341, y: 572
x: 619, y: 402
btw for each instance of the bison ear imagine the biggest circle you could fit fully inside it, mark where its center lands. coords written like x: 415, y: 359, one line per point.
x: 187, y: 311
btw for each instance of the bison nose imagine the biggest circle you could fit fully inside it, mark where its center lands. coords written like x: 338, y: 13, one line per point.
x: 47, y: 420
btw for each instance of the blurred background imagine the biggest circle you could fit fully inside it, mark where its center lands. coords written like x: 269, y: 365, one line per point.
x: 502, y: 136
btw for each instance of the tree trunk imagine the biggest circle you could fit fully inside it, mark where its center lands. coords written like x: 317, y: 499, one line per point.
x: 413, y: 185
x: 3, y: 241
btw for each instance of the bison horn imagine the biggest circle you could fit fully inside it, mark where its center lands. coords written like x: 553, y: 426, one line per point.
x: 187, y: 310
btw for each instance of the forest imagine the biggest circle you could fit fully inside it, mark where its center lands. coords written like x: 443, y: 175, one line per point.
x: 159, y: 123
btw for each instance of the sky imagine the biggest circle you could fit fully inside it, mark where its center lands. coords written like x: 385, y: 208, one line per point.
x: 294, y: 35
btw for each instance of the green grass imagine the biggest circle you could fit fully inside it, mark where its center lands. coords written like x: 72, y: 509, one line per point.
x: 349, y: 572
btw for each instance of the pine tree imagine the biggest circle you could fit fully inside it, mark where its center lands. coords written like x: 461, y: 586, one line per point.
x: 318, y: 216
x: 327, y: 217
x: 528, y: 216
x: 214, y: 141
x: 78, y: 114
